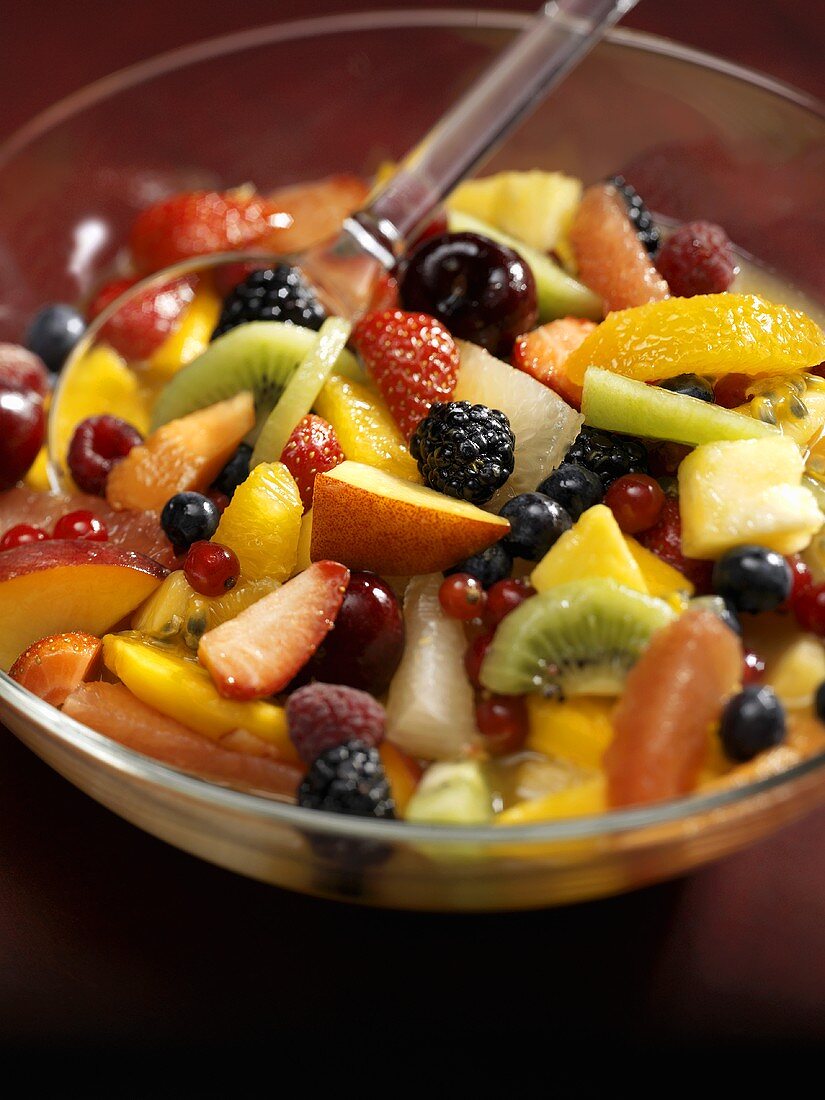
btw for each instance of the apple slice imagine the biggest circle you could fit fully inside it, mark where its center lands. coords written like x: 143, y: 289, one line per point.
x: 56, y: 586
x: 53, y: 667
x: 369, y: 519
x: 259, y: 651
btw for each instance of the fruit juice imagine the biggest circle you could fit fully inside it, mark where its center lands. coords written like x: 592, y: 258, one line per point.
x: 540, y: 535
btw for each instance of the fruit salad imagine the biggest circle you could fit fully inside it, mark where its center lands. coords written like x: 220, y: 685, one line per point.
x: 539, y: 535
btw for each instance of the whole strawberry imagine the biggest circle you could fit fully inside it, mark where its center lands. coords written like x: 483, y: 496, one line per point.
x: 144, y: 321
x: 198, y: 222
x: 312, y: 449
x: 413, y: 360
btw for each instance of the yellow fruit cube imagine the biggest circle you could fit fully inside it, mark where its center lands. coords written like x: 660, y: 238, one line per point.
x: 365, y: 429
x: 580, y: 800
x: 798, y: 672
x: 593, y: 547
x: 745, y: 491
x: 536, y: 207
x: 262, y: 523
x: 192, y: 335
x: 578, y: 729
x: 662, y: 580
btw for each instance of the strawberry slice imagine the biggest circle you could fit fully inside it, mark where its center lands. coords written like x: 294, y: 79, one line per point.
x: 312, y: 449
x: 413, y: 360
x: 543, y: 352
x: 145, y: 320
x: 53, y: 667
x: 260, y: 651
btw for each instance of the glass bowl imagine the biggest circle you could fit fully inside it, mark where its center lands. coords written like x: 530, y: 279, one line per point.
x: 699, y: 137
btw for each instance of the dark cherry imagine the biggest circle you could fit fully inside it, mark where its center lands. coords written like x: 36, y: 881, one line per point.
x: 22, y: 430
x: 364, y: 647
x: 23, y: 371
x: 482, y: 291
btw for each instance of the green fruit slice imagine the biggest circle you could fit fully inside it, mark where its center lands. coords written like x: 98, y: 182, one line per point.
x: 302, y: 390
x: 260, y: 356
x: 451, y: 793
x: 580, y: 638
x: 620, y: 404
x: 560, y: 295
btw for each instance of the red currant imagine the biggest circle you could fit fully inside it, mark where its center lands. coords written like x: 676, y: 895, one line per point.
x: 504, y: 597
x: 636, y: 500
x: 753, y: 669
x: 211, y: 569
x: 81, y: 525
x: 802, y: 580
x: 475, y: 655
x: 22, y: 534
x: 462, y: 596
x: 809, y: 608
x: 502, y: 722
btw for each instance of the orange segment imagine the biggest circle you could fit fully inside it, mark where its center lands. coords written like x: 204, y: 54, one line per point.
x: 402, y: 772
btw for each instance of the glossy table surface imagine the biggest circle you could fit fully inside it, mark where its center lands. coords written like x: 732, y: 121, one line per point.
x: 108, y: 934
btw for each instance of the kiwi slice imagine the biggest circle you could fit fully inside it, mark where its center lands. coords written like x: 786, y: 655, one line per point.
x: 260, y: 356
x: 302, y: 390
x: 579, y: 638
x: 559, y: 294
x: 618, y: 404
x: 451, y: 793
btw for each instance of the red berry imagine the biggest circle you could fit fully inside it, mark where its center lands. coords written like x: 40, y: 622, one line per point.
x: 732, y: 391
x: 144, y: 320
x: 312, y: 449
x: 474, y: 657
x: 22, y: 371
x: 802, y: 580
x: 413, y: 360
x: 321, y: 716
x: 502, y: 722
x: 504, y: 597
x: 227, y: 276
x: 384, y: 293
x: 21, y: 534
x: 98, y: 443
x: 636, y: 501
x: 462, y: 597
x: 753, y: 668
x: 211, y: 569
x: 697, y: 259
x: 665, y: 540
x: 22, y: 430
x: 809, y: 608
x: 81, y: 524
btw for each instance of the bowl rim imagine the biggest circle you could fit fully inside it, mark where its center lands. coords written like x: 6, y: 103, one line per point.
x: 134, y: 765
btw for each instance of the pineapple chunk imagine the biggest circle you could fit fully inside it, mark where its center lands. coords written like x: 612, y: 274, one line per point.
x: 190, y: 338
x: 577, y: 729
x: 262, y: 523
x: 662, y: 580
x: 536, y: 207
x: 798, y: 672
x: 745, y: 491
x: 593, y: 547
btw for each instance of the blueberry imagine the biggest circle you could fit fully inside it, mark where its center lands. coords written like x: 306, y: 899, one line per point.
x: 536, y: 522
x: 53, y: 333
x: 753, y: 579
x: 690, y: 385
x: 574, y: 487
x: 188, y: 518
x: 235, y: 472
x: 753, y: 720
x: 491, y: 565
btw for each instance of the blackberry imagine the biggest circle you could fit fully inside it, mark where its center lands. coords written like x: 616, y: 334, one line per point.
x: 463, y: 450
x: 640, y: 217
x: 348, y: 779
x: 277, y: 293
x: 608, y: 455
x: 489, y: 566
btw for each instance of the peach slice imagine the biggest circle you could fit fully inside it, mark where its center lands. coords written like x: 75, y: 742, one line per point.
x: 57, y: 586
x: 369, y: 519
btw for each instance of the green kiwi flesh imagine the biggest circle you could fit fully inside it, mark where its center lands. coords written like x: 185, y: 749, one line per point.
x: 579, y: 638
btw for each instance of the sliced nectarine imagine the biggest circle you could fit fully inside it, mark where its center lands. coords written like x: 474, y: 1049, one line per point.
x: 56, y: 586
x: 369, y: 519
x: 184, y: 454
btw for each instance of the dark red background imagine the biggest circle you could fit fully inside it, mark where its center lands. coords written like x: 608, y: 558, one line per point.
x: 109, y: 935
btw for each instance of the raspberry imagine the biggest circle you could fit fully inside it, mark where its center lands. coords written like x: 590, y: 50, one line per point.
x: 278, y: 293
x: 697, y: 259
x: 463, y: 450
x: 413, y: 360
x: 348, y: 779
x: 665, y: 540
x: 312, y: 449
x: 322, y: 716
x: 98, y: 443
x: 143, y: 322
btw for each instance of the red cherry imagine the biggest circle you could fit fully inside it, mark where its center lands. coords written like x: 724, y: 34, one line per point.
x: 211, y: 569
x: 81, y: 525
x: 753, y: 668
x: 22, y: 429
x: 502, y: 722
x: 462, y: 597
x: 21, y: 535
x: 636, y: 501
x: 809, y: 608
x: 475, y: 655
x: 504, y: 597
